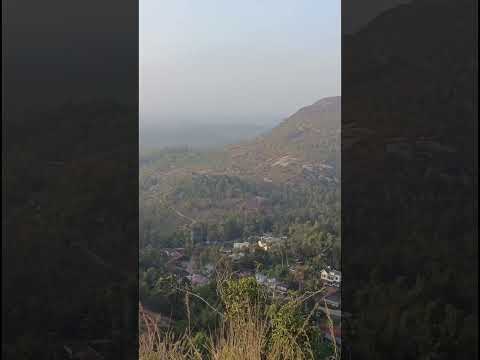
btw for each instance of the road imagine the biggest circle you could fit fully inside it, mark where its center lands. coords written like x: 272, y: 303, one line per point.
x: 163, y: 199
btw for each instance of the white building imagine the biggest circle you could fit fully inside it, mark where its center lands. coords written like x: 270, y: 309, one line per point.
x: 241, y: 245
x: 237, y: 256
x: 267, y: 241
x: 264, y: 245
x: 331, y: 276
x: 272, y: 284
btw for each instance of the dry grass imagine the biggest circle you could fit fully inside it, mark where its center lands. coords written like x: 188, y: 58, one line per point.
x: 155, y: 345
x: 240, y: 339
x: 246, y: 337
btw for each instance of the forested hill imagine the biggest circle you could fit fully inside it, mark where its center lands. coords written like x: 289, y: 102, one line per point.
x: 292, y: 172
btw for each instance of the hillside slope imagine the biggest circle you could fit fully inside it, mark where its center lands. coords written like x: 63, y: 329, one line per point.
x: 306, y: 145
x: 288, y: 172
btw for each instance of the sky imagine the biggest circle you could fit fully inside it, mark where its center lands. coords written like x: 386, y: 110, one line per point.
x: 221, y: 61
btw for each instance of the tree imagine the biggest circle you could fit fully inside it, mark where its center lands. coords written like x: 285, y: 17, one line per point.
x: 242, y: 296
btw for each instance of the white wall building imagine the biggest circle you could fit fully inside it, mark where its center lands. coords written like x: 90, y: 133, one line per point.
x: 267, y: 241
x: 241, y: 245
x: 331, y: 276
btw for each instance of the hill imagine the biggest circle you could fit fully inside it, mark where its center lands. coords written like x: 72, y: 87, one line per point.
x: 407, y: 150
x: 306, y: 145
x: 290, y: 172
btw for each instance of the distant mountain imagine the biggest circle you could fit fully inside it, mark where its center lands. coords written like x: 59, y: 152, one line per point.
x: 306, y: 145
x: 303, y: 147
x: 200, y: 136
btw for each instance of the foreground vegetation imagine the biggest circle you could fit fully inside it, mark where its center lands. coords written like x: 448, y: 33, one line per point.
x: 251, y: 327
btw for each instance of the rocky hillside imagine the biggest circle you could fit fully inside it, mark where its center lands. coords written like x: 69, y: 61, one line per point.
x: 305, y: 146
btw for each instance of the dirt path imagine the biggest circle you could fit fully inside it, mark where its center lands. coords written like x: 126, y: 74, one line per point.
x: 163, y: 199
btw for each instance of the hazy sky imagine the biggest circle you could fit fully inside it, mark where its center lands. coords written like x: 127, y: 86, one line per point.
x: 245, y: 60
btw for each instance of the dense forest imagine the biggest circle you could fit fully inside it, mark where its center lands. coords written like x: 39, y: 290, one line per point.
x: 231, y: 208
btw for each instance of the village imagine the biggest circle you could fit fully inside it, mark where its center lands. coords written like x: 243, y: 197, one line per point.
x: 198, y: 270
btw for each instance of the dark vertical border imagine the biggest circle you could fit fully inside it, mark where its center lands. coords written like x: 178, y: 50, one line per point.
x: 409, y: 178
x: 70, y: 179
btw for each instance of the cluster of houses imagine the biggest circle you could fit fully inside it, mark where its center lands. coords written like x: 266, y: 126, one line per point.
x: 330, y: 277
x: 331, y: 301
x: 265, y: 242
x: 272, y: 284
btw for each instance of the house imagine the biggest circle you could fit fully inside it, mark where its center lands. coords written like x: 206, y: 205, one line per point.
x: 261, y: 279
x: 241, y: 245
x: 264, y: 245
x: 270, y: 238
x: 271, y: 283
x: 237, y: 256
x: 198, y: 279
x: 331, y: 276
x: 267, y: 241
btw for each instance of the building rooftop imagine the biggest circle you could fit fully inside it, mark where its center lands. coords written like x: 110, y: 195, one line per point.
x: 197, y: 279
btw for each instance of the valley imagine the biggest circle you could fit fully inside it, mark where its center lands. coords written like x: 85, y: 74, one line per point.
x: 266, y: 209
